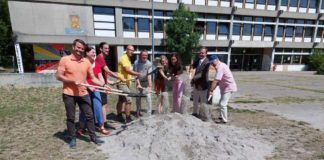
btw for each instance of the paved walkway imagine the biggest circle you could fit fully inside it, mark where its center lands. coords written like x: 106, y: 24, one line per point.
x: 294, y: 95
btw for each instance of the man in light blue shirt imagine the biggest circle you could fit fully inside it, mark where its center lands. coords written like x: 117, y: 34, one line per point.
x: 144, y: 82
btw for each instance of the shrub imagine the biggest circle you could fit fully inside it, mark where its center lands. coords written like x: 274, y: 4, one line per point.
x: 316, y: 61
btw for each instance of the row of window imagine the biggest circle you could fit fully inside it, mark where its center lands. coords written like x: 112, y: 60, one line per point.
x: 291, y: 59
x: 139, y: 21
x: 293, y: 50
x: 290, y: 3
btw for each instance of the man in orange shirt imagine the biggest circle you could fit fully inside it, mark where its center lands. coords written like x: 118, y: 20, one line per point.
x: 72, y: 71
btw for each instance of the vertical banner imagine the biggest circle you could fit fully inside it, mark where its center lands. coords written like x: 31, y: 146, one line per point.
x: 19, y: 58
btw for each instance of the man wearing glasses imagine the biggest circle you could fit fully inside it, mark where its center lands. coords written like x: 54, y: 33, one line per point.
x: 125, y: 71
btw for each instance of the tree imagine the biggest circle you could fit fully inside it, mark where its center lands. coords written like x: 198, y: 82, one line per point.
x: 316, y: 61
x: 6, y: 45
x: 181, y: 35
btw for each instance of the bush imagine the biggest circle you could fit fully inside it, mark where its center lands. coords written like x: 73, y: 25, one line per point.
x: 316, y: 61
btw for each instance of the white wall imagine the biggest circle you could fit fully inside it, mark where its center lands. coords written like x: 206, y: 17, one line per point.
x: 300, y: 67
x: 50, y: 19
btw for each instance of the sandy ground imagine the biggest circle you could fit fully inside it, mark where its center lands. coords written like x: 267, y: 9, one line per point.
x: 177, y: 136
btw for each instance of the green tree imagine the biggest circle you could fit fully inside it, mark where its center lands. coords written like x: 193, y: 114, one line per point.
x: 316, y: 61
x: 181, y: 35
x: 6, y: 46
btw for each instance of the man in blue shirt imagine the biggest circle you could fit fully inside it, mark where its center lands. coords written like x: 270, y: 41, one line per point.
x: 144, y: 82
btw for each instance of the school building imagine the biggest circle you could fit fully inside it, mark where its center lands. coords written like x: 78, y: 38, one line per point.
x: 248, y: 35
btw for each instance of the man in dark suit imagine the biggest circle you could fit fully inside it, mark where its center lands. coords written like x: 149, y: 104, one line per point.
x: 200, y: 83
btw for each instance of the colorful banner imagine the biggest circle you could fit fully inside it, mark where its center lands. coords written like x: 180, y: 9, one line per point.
x: 47, y: 56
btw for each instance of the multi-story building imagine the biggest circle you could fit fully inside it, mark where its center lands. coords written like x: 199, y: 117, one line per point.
x: 246, y: 34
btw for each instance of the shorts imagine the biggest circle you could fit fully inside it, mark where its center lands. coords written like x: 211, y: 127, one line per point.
x: 124, y: 88
x: 104, y: 98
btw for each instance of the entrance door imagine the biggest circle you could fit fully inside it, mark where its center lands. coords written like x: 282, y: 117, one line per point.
x: 252, y: 62
x: 236, y: 62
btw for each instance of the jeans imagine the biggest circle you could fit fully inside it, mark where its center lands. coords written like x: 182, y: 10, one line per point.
x: 85, y: 106
x: 96, y: 104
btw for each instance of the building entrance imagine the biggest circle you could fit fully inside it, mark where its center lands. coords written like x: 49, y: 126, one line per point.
x: 249, y: 61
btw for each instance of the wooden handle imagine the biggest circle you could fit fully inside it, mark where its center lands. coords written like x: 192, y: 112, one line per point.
x: 116, y: 93
x: 98, y: 87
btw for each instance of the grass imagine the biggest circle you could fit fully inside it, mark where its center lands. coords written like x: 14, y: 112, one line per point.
x: 290, y: 99
x: 33, y: 126
x: 298, y: 88
x: 231, y: 109
x: 249, y: 101
x: 321, y: 156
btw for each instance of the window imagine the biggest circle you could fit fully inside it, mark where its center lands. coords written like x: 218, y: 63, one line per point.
x: 236, y: 29
x: 260, y: 1
x: 279, y: 50
x: 280, y: 31
x: 239, y: 1
x: 286, y: 59
x: 319, y: 32
x: 247, y: 28
x: 128, y: 23
x: 223, y: 29
x: 104, y: 21
x: 303, y: 3
x: 309, y: 31
x: 296, y: 59
x: 143, y: 25
x: 225, y: 17
x: 158, y: 23
x: 211, y: 27
x: 257, y: 30
x: 304, y: 59
x: 249, y: 1
x: 128, y: 11
x: 199, y: 27
x: 297, y: 50
x: 103, y: 10
x: 312, y: 4
x: 322, y: 6
x: 271, y: 2
x: 299, y: 29
x: 258, y: 27
x: 284, y: 2
x: 277, y: 59
x: 289, y: 31
x: 143, y: 12
x: 293, y: 3
x: 268, y: 31
x: 169, y: 14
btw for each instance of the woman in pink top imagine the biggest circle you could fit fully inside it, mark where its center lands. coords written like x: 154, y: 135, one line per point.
x: 177, y: 84
x: 94, y: 95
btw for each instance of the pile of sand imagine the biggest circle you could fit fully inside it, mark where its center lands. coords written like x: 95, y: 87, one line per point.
x: 176, y: 136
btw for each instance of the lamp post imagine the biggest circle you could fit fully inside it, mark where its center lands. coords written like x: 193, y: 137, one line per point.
x: 152, y: 1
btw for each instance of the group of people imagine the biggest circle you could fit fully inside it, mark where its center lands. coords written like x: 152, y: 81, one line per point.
x: 85, y: 66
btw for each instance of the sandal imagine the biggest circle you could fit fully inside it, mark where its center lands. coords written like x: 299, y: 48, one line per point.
x: 104, y: 131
